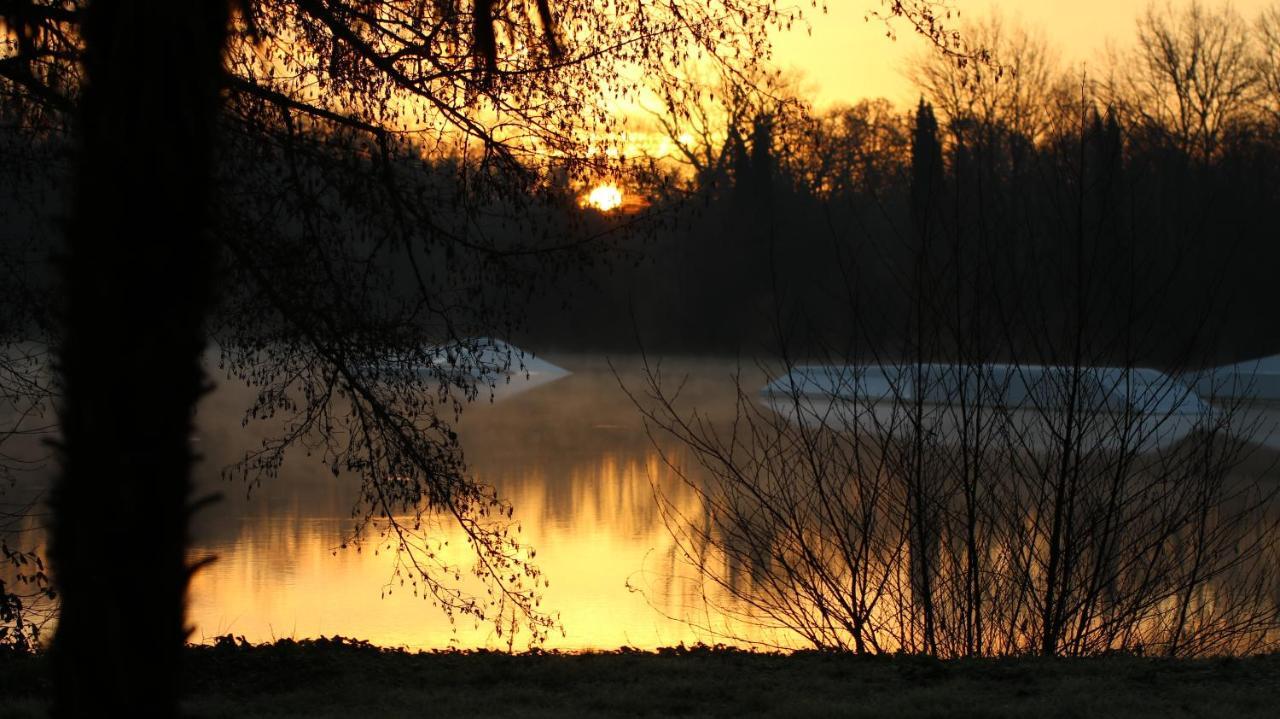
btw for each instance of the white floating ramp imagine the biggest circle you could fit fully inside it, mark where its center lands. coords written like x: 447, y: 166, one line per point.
x: 1121, y: 407
x: 1251, y: 380
x: 490, y: 366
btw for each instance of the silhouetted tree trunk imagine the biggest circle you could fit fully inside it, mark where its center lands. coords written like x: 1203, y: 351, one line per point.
x: 137, y: 267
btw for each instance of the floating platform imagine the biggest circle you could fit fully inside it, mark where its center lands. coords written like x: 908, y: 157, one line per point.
x: 1033, y: 406
x: 491, y: 367
x: 1255, y: 380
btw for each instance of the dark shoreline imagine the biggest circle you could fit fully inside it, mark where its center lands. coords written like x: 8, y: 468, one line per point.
x: 346, y: 678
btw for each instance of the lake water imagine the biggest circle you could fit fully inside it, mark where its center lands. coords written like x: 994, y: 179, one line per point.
x: 571, y: 456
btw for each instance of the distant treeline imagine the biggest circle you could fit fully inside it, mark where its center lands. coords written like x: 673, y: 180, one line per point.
x: 1016, y: 207
x: 1005, y: 213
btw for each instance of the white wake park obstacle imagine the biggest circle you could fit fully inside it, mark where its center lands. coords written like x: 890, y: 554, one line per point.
x: 1026, y: 405
x: 492, y: 367
x: 1256, y: 380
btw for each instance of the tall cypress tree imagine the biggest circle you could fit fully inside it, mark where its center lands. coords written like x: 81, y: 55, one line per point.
x: 926, y: 185
x: 926, y: 169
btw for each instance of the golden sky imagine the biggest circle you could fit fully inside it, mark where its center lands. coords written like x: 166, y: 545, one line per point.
x: 847, y: 58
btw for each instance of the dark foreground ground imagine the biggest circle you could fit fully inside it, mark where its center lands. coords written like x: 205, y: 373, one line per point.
x: 330, y: 678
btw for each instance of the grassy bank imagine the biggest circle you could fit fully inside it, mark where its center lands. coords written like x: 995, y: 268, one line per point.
x: 344, y: 679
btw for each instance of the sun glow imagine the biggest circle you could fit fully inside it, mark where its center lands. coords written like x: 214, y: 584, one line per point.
x: 605, y: 197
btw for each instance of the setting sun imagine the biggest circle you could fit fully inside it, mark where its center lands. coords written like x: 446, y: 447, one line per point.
x: 604, y: 197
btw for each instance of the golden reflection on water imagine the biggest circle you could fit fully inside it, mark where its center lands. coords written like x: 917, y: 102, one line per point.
x: 573, y: 460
